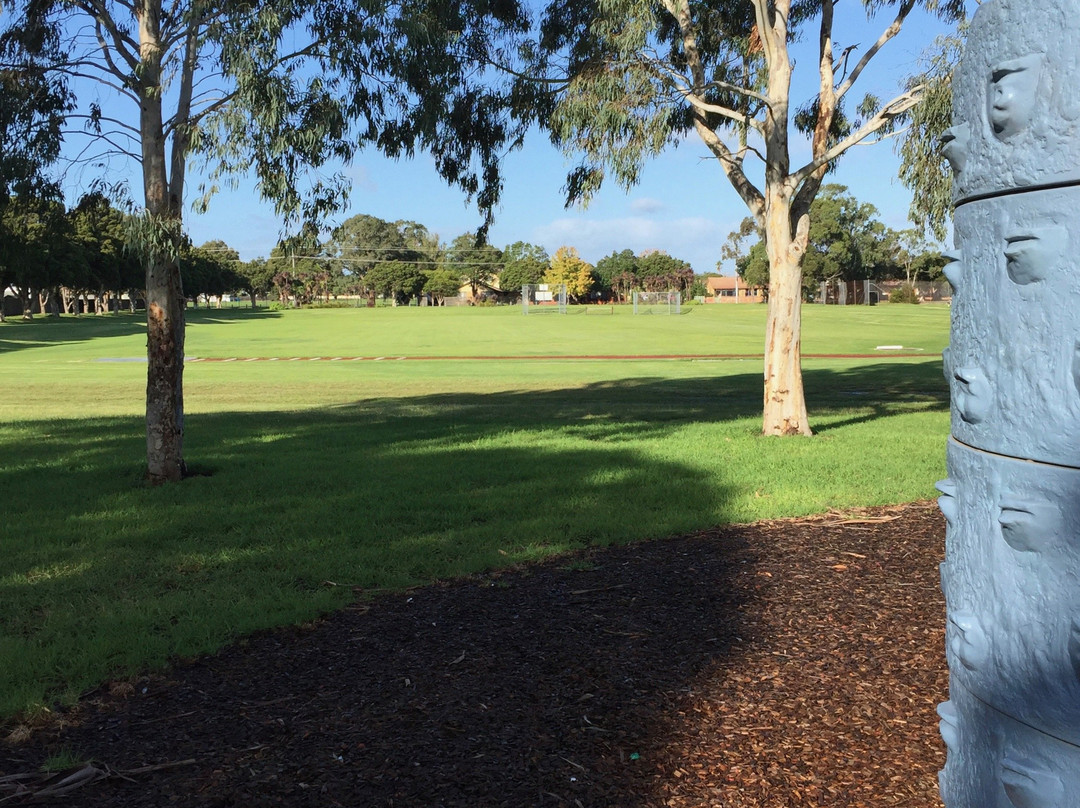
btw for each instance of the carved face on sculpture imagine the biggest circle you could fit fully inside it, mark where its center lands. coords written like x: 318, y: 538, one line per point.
x: 967, y: 639
x: 954, y: 146
x: 971, y: 392
x: 949, y: 724
x: 947, y: 501
x: 1028, y: 524
x: 1031, y: 253
x: 954, y: 270
x: 1029, y: 784
x: 1011, y: 95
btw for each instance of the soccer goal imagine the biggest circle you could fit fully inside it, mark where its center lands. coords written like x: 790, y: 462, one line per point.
x: 657, y: 302
x: 543, y: 297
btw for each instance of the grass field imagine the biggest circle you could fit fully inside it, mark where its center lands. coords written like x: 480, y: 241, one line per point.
x: 319, y: 479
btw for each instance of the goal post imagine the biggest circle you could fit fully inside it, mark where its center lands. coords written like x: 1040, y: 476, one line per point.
x: 543, y: 297
x: 658, y: 302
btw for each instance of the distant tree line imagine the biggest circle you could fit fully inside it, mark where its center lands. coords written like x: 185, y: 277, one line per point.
x: 58, y: 260
x: 403, y: 261
x: 847, y: 242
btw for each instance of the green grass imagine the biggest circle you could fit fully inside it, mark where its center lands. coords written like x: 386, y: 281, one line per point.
x: 325, y: 478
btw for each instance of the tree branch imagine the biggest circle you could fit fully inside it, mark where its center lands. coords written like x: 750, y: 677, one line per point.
x: 96, y: 138
x: 134, y: 130
x: 732, y: 167
x: 886, y: 35
x: 898, y: 106
x: 76, y: 74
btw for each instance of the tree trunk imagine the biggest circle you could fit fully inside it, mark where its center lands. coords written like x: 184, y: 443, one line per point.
x: 165, y: 371
x: 785, y: 400
x: 27, y: 306
x: 164, y: 293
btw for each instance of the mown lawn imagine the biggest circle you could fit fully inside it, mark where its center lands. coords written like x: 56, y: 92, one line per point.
x: 318, y: 480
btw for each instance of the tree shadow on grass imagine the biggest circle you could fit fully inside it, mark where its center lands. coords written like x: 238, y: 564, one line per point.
x: 43, y: 331
x: 301, y: 509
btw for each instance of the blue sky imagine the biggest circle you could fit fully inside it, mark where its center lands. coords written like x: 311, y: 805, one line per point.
x: 683, y: 204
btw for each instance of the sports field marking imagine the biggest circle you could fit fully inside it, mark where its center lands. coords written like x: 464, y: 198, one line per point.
x: 500, y: 358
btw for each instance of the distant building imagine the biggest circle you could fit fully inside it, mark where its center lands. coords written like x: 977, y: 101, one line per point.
x: 723, y: 289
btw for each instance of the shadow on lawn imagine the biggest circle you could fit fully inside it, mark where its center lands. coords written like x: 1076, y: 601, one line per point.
x: 16, y: 334
x: 374, y: 494
x: 538, y: 687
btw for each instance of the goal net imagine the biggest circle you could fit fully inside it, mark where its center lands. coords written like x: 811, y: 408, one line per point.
x: 543, y: 297
x: 657, y: 302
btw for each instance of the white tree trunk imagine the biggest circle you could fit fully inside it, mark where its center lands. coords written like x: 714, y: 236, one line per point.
x: 784, y: 400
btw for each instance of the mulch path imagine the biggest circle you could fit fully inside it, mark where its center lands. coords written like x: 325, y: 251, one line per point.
x: 786, y: 663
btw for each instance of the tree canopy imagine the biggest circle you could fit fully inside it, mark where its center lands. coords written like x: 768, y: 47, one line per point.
x: 523, y: 263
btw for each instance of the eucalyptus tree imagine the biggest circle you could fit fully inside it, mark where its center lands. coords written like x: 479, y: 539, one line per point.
x: 631, y: 77
x: 34, y: 102
x: 277, y: 89
x: 923, y: 168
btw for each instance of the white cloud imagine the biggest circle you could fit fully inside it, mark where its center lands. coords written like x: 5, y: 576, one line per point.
x: 361, y: 178
x: 645, y: 204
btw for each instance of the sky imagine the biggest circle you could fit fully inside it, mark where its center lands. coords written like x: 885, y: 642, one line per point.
x: 683, y: 204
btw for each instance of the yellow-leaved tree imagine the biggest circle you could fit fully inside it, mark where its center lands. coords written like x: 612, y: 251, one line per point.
x: 568, y: 267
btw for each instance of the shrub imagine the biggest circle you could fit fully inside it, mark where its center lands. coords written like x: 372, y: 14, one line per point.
x: 904, y: 294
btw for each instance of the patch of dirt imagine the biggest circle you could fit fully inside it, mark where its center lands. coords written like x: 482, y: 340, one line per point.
x: 786, y: 663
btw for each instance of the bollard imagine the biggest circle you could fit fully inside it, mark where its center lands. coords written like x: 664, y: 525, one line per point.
x: 1011, y: 575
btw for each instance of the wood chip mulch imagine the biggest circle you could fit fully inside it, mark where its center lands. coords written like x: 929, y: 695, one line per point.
x: 786, y: 663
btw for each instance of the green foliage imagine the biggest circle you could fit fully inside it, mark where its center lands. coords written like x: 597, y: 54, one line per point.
x: 659, y: 272
x: 101, y: 231
x: 754, y: 267
x: 301, y: 270
x: 904, y: 294
x: 847, y: 241
x: 397, y: 280
x: 38, y: 250
x: 923, y: 168
x: 256, y: 277
x: 63, y: 760
x: 442, y: 283
x: 523, y: 264
x: 617, y: 273
x: 475, y: 261
x: 211, y: 270
x: 34, y: 103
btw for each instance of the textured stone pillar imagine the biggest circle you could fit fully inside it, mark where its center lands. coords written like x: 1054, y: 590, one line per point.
x: 1011, y: 575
